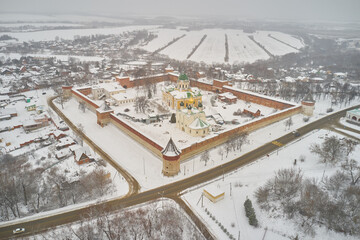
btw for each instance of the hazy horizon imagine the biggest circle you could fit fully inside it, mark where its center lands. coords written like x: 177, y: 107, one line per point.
x: 287, y: 10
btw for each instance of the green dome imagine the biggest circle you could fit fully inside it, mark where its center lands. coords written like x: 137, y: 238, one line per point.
x: 189, y: 107
x: 183, y: 77
x: 182, y: 104
x: 200, y: 105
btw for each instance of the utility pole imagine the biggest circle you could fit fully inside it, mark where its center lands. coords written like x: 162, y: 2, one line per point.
x: 144, y: 165
x: 202, y: 200
x: 184, y: 169
x: 230, y: 189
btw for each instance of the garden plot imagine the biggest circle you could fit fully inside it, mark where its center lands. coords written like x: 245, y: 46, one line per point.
x: 273, y: 46
x: 212, y: 49
x: 241, y: 184
x: 182, y: 48
x: 286, y: 38
x: 164, y: 36
x: 242, y: 49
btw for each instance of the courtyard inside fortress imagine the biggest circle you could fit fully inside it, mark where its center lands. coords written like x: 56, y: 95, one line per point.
x: 162, y: 130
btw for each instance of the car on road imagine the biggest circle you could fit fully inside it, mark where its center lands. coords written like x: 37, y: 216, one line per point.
x: 18, y: 230
x: 296, y: 133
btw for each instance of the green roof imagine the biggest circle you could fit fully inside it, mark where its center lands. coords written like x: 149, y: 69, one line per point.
x: 188, y: 94
x: 183, y: 77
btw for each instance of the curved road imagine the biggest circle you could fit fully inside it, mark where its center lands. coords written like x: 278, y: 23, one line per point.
x: 170, y: 190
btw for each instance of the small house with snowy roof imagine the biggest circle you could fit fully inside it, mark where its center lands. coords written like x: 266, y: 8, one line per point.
x: 82, y: 155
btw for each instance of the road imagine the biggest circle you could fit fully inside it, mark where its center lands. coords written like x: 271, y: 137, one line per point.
x: 172, y: 190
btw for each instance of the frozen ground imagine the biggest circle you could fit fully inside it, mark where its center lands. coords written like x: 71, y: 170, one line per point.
x: 39, y: 18
x: 50, y: 35
x: 243, y: 49
x: 183, y: 47
x: 164, y: 36
x: 273, y: 46
x: 244, y: 181
x: 293, y: 41
x: 59, y: 57
x: 212, y: 49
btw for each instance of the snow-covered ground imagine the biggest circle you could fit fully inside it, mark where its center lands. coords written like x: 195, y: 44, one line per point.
x: 43, y: 157
x: 31, y: 18
x: 49, y: 55
x: 293, y: 41
x: 273, y: 46
x: 146, y: 167
x: 243, y: 49
x: 160, y: 132
x: 243, y: 182
x: 183, y: 47
x: 151, y: 211
x: 50, y: 35
x: 212, y: 49
x: 164, y: 36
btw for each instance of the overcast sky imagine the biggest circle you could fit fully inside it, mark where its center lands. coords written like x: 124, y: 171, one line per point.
x: 316, y: 10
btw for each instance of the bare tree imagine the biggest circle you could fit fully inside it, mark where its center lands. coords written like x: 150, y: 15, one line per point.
x: 352, y: 168
x: 330, y: 151
x: 288, y: 123
x: 205, y: 157
x: 82, y: 106
x: 221, y: 152
x: 141, y: 104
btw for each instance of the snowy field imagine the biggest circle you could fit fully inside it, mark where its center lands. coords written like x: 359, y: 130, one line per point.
x: 23, y: 18
x: 164, y: 36
x: 243, y: 49
x: 286, y: 38
x: 16, y: 25
x: 183, y: 47
x: 50, y: 35
x: 212, y: 49
x: 59, y: 57
x: 273, y: 46
x: 243, y: 183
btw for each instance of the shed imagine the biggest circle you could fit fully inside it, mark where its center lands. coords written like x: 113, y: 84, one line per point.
x: 213, y: 193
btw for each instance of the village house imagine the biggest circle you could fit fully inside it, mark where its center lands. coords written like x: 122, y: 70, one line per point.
x: 228, y: 97
x: 82, y: 155
x: 64, y: 142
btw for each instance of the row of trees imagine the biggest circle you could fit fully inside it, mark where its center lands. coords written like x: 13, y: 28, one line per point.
x: 25, y: 190
x: 333, y: 201
x: 153, y: 222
